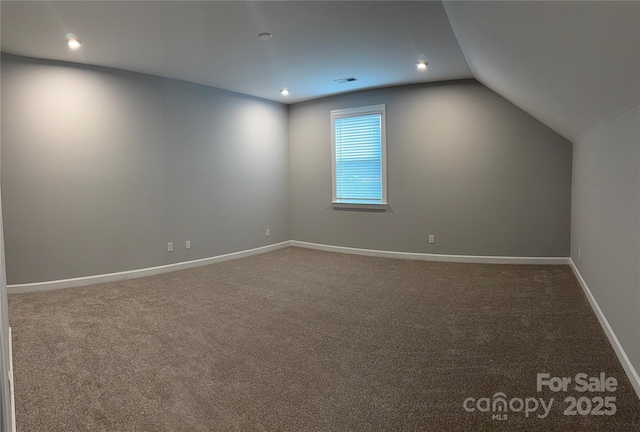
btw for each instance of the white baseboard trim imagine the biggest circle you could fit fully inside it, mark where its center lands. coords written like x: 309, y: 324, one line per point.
x: 131, y: 274
x: 613, y: 339
x: 434, y: 257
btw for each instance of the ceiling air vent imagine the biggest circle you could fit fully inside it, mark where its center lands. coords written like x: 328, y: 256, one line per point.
x: 345, y: 80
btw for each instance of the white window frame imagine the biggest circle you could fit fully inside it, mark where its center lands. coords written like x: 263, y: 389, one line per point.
x: 354, y: 112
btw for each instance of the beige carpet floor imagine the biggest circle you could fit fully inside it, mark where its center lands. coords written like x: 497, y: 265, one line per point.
x: 303, y: 340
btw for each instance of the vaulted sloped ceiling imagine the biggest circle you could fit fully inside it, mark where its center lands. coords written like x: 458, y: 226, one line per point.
x: 573, y: 65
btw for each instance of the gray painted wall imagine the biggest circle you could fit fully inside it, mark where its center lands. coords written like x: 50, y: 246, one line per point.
x: 101, y: 168
x: 463, y: 163
x: 606, y: 223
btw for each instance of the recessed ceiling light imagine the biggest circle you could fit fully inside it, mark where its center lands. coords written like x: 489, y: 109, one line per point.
x: 73, y: 41
x: 265, y: 36
x: 422, y: 65
x: 284, y: 92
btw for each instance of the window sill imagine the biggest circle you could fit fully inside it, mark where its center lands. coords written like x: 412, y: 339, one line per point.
x: 359, y: 206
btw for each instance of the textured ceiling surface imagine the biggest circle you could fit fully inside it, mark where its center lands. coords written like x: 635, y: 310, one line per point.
x: 572, y: 65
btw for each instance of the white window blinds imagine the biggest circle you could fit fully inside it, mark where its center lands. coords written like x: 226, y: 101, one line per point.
x: 359, y: 155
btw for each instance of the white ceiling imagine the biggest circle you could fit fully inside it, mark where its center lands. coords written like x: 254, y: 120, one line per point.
x: 572, y: 65
x: 216, y: 43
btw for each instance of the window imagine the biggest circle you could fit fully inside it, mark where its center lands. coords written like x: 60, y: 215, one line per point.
x: 358, y: 153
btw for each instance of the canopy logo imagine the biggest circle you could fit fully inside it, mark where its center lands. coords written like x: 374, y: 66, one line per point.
x: 500, y: 406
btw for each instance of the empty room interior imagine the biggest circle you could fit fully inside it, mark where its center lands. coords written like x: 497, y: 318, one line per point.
x: 320, y: 216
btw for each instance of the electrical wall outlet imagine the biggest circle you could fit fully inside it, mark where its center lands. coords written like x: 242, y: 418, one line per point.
x: 432, y: 238
x: 187, y: 245
x: 267, y: 233
x: 170, y: 247
x: 579, y: 252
